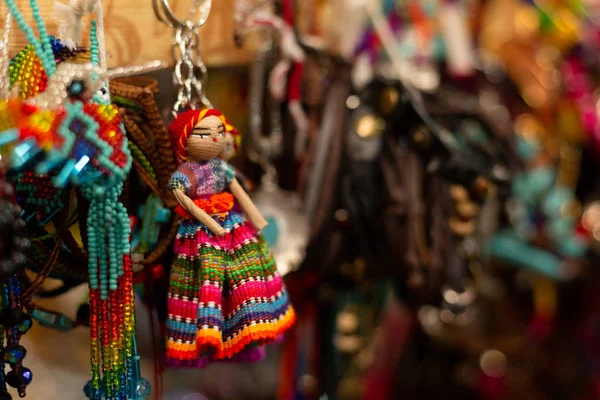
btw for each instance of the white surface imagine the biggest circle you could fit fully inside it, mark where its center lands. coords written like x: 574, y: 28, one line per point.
x: 60, y: 363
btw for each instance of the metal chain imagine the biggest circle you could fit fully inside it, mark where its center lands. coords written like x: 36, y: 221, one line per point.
x: 191, y: 89
x: 190, y: 73
x: 199, y: 84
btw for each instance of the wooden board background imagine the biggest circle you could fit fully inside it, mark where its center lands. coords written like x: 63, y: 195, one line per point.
x: 134, y: 35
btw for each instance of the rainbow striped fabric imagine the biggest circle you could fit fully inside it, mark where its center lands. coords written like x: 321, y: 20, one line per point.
x: 225, y: 295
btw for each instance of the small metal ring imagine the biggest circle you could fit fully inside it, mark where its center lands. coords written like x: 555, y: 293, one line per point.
x: 178, y: 74
x: 165, y: 14
x: 189, y: 69
x: 159, y: 15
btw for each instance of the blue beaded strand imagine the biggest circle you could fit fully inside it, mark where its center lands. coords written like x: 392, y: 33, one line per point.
x: 50, y: 65
x: 108, y: 237
x: 94, y: 45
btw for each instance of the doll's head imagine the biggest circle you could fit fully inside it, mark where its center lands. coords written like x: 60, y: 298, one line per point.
x: 232, y: 142
x: 202, y: 135
x: 229, y: 148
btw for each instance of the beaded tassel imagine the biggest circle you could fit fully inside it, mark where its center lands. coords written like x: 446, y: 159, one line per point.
x: 19, y: 323
x: 111, y: 296
x: 13, y: 321
x: 89, y: 132
x: 113, y: 288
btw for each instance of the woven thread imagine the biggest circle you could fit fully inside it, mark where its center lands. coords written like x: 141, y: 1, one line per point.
x: 225, y: 293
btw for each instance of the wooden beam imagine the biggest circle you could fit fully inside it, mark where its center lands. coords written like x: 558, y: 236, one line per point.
x: 134, y: 35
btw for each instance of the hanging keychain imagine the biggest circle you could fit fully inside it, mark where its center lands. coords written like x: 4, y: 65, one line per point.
x: 226, y: 298
x: 288, y: 230
x: 191, y: 89
x: 285, y: 80
x: 15, y: 322
x: 80, y: 142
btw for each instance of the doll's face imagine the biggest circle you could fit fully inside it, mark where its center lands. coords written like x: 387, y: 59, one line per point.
x: 207, y: 140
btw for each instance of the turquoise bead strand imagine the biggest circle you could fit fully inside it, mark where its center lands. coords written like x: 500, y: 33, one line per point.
x: 46, y: 58
x: 50, y: 63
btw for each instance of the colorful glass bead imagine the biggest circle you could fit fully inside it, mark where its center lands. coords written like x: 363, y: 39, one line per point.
x: 76, y: 89
x: 87, y: 389
x: 19, y: 377
x: 13, y: 354
x: 16, y: 317
x: 52, y: 320
x: 25, y: 325
x: 142, y: 389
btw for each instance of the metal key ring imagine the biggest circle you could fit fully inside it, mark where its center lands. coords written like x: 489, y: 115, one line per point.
x: 164, y: 13
x: 167, y: 16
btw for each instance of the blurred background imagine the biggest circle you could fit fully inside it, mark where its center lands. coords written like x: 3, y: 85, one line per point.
x: 436, y: 201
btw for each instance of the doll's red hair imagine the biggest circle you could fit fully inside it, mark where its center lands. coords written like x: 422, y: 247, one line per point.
x: 182, y: 127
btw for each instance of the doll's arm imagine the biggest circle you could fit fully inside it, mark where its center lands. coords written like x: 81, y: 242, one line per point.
x: 198, y: 213
x: 247, y: 205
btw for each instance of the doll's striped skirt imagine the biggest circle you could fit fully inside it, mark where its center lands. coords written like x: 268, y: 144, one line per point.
x: 225, y: 295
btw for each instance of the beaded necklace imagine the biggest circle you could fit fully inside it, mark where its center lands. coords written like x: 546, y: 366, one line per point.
x: 85, y: 143
x: 14, y: 322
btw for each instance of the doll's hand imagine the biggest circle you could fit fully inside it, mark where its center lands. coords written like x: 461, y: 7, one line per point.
x: 260, y: 223
x: 198, y: 213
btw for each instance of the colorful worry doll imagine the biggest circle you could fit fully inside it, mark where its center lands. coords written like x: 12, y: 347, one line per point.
x: 225, y: 294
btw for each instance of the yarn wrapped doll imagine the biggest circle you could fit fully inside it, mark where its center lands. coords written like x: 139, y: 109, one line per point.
x: 225, y: 295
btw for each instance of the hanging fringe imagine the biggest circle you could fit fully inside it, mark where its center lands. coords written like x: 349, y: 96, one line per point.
x: 70, y: 18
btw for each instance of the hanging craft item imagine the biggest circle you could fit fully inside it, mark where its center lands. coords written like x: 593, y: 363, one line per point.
x: 61, y: 130
x: 225, y: 294
x: 148, y: 196
x: 13, y: 240
x: 285, y: 80
x: 539, y: 197
x: 153, y: 161
x: 15, y: 323
x: 12, y: 317
x: 226, y: 298
x: 288, y: 230
x: 191, y: 90
x: 412, y: 42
